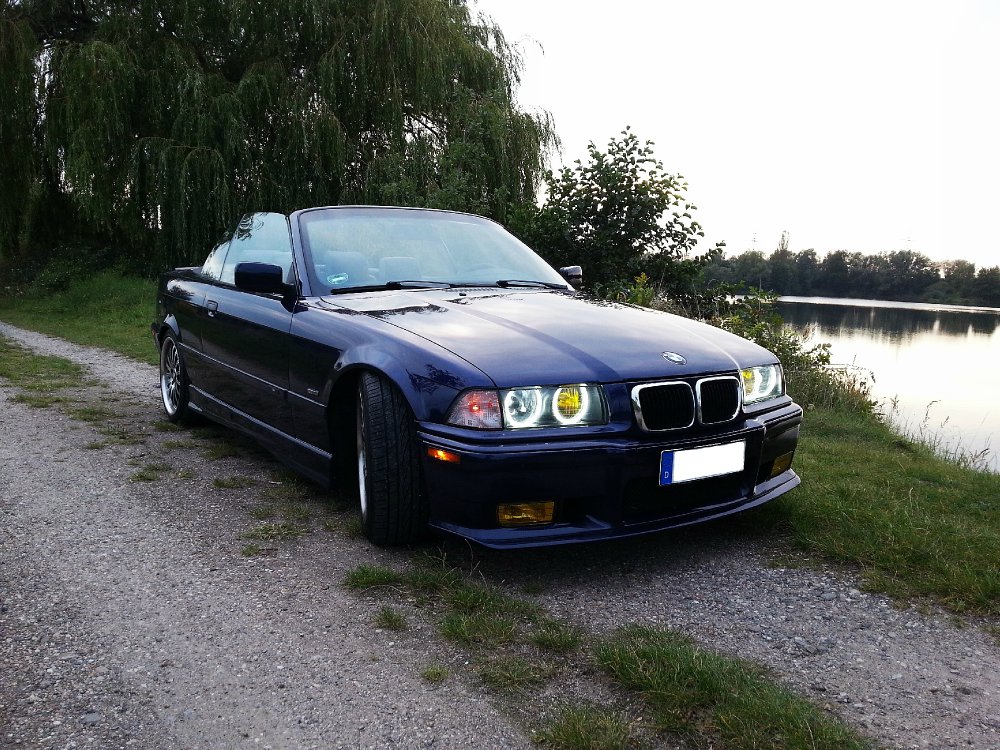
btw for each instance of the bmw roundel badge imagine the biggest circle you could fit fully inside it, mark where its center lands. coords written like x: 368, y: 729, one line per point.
x: 674, y: 357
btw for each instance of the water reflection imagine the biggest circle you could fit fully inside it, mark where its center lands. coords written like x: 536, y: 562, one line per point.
x: 890, y: 323
x: 933, y: 368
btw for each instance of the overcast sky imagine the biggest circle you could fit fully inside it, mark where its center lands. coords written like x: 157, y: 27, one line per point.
x: 852, y: 125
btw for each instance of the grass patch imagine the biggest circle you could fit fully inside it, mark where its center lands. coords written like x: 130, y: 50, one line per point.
x: 353, y: 528
x: 90, y: 414
x: 184, y: 474
x: 286, y: 487
x: 557, y: 637
x: 251, y: 550
x: 700, y: 698
x: 477, y: 598
x: 295, y: 511
x: 435, y: 674
x: 105, y: 309
x: 273, y: 531
x: 150, y: 472
x: 717, y: 700
x: 233, y: 483
x: 120, y: 436
x: 478, y: 629
x: 587, y: 727
x: 221, y: 449
x: 390, y: 619
x: 264, y: 513
x: 39, y: 400
x: 913, y: 524
x: 510, y: 674
x: 36, y: 372
x: 372, y: 577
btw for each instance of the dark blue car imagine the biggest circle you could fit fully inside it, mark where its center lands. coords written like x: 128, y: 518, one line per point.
x: 432, y: 365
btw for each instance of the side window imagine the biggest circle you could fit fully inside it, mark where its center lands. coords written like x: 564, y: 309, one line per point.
x: 212, y: 267
x: 259, y: 238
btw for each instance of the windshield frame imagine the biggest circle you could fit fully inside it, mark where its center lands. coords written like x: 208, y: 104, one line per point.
x: 429, y: 248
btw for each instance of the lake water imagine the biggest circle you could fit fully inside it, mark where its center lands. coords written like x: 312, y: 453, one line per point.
x: 935, y: 367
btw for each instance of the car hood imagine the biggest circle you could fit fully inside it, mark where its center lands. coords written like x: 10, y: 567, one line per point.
x: 529, y: 337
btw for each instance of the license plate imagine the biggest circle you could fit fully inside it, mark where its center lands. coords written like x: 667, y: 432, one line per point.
x: 702, y: 463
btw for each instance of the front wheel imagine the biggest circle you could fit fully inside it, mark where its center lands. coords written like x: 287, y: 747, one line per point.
x: 174, y: 381
x: 390, y: 483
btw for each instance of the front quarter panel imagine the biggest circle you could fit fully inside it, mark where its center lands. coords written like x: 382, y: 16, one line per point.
x: 331, y: 345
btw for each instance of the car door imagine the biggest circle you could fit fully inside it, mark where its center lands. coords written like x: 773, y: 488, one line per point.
x: 245, y: 334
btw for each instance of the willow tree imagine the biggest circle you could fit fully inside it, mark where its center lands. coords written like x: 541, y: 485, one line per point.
x: 153, y: 124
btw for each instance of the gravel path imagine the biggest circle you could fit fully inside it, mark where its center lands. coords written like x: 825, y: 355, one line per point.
x: 130, y: 617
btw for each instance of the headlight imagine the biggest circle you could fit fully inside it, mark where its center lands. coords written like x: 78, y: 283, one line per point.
x: 533, y: 406
x: 762, y: 383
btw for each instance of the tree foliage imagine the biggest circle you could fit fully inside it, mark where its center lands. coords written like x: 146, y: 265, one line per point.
x: 153, y: 125
x: 619, y: 215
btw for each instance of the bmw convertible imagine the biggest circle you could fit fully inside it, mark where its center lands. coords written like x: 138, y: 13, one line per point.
x: 434, y: 367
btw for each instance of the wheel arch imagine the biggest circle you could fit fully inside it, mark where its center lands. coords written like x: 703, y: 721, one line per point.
x: 168, y: 324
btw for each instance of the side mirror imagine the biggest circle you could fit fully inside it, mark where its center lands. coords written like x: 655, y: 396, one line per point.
x: 263, y: 278
x: 572, y: 274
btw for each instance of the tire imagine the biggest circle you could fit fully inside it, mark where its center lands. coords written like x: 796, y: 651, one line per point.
x: 174, y: 392
x: 390, y: 481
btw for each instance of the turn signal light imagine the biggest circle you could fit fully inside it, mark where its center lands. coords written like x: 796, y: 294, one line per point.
x: 781, y: 464
x: 442, y: 455
x: 525, y: 514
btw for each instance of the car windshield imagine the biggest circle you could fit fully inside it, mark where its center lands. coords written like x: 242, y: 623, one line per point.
x: 356, y: 248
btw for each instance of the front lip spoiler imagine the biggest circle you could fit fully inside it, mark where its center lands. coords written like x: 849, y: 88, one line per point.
x: 596, y: 530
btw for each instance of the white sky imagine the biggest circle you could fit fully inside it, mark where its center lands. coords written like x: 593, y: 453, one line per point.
x: 862, y: 126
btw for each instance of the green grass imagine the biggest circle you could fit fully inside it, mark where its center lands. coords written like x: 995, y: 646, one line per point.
x: 557, y: 637
x: 435, y: 674
x: 150, y: 472
x: 106, y: 309
x: 390, y: 619
x: 38, y: 400
x: 478, y: 629
x: 692, y: 694
x: 509, y: 674
x: 912, y: 524
x: 37, y: 373
x: 233, y: 482
x: 273, y: 531
x: 373, y: 576
x: 90, y: 414
x: 716, y: 700
x: 587, y: 727
x: 222, y: 449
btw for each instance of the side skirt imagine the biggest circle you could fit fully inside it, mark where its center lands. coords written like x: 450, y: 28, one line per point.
x: 298, y: 455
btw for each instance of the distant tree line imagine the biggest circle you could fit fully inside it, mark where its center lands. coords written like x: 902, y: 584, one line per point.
x: 902, y: 275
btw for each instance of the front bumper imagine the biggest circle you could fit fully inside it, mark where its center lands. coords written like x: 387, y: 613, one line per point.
x: 604, y: 487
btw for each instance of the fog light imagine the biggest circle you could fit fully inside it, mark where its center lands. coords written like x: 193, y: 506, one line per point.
x: 442, y: 455
x: 781, y: 464
x: 525, y: 514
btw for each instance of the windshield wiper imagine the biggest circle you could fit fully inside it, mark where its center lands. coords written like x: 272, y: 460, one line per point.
x: 507, y: 283
x: 400, y: 284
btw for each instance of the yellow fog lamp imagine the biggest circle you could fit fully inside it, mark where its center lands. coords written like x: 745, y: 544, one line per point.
x: 525, y: 514
x: 781, y: 464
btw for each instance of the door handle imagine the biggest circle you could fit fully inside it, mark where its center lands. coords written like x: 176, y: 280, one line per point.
x: 212, y: 306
